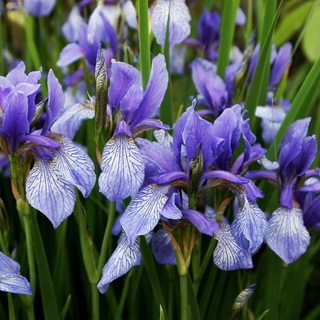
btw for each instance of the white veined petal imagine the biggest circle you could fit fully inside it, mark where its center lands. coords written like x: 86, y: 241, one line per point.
x: 76, y: 167
x: 8, y: 265
x: 15, y: 284
x: 122, y: 168
x: 228, y: 255
x: 179, y: 27
x: 143, y: 212
x: 286, y: 235
x: 70, y: 121
x: 49, y: 193
x: 164, y: 138
x: 249, y: 226
x: 121, y: 261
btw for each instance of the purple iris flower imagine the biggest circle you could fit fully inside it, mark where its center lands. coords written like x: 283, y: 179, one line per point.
x: 213, y: 91
x: 10, y: 278
x: 59, y: 165
x: 250, y: 224
x: 131, y: 110
x: 87, y: 49
x: 287, y: 234
x: 280, y: 61
x: 17, y: 99
x: 209, y: 33
x: 39, y: 8
x: 111, y: 13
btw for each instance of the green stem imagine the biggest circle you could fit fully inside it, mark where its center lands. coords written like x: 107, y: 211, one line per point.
x: 4, y: 248
x: 12, y: 315
x: 184, y: 297
x: 32, y: 48
x: 204, y: 264
x: 124, y: 295
x: 31, y: 260
x: 106, y: 237
x: 95, y: 302
x: 86, y: 244
x: 144, y: 41
x: 166, y: 110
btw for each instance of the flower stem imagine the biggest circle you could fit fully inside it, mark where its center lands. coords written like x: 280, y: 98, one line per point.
x: 12, y: 315
x: 144, y: 41
x: 95, y: 302
x: 106, y: 237
x: 31, y: 260
x: 184, y: 297
x: 86, y: 244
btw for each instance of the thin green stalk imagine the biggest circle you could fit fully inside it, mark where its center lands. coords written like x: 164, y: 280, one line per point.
x: 86, y: 244
x: 166, y: 110
x: 4, y: 248
x: 228, y: 23
x: 30, y: 248
x: 184, y: 297
x: 23, y: 209
x: 12, y: 315
x: 95, y: 302
x: 124, y: 295
x: 107, y: 235
x: 204, y: 265
x: 31, y: 45
x: 48, y: 295
x: 144, y: 41
x: 249, y: 21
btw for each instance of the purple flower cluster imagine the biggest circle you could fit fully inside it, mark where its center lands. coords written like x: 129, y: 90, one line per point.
x: 170, y: 180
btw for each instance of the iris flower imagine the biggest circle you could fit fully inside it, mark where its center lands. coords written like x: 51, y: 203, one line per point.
x: 132, y: 110
x: 287, y: 233
x: 59, y: 165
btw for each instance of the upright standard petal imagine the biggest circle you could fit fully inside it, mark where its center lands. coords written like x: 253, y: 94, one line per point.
x: 123, y: 76
x: 210, y: 85
x: 280, y: 64
x: 143, y: 212
x: 122, y: 168
x: 249, y: 226
x: 55, y: 102
x: 48, y: 192
x: 291, y: 146
x: 155, y: 91
x: 286, y: 235
x: 75, y: 166
x: 121, y: 261
x: 228, y: 255
x: 178, y: 14
x: 16, y: 112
